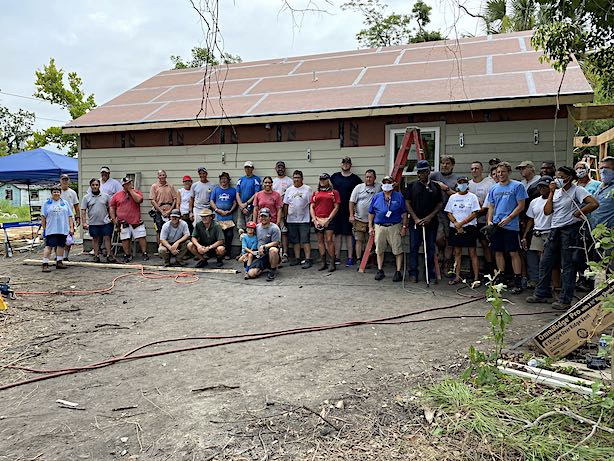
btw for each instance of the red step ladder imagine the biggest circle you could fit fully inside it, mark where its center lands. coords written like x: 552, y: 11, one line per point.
x: 411, y: 137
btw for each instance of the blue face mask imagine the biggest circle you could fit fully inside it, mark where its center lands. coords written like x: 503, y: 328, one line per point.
x: 607, y: 175
x: 462, y: 187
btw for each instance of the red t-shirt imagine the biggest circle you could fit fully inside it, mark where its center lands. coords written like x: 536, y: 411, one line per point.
x: 126, y: 209
x: 271, y: 201
x: 324, y: 202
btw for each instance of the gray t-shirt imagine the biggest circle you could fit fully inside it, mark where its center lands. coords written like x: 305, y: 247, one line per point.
x: 268, y: 234
x: 201, y: 191
x: 361, y: 196
x: 449, y: 180
x: 171, y: 234
x: 563, y: 206
x: 97, y: 207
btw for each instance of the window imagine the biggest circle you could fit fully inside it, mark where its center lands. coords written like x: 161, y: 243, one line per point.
x: 8, y: 194
x: 34, y: 195
x: 430, y: 135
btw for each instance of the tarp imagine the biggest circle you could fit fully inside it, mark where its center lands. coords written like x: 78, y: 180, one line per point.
x: 37, y: 166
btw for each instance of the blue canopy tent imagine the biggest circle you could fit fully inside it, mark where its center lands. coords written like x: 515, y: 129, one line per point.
x: 38, y: 166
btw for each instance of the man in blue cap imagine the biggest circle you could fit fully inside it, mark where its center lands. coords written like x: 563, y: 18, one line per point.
x: 424, y: 200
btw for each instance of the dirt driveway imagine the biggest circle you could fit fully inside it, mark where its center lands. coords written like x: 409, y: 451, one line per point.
x: 332, y: 394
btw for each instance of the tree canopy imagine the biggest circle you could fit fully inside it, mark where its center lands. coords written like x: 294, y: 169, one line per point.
x: 383, y: 29
x: 202, y: 57
x: 15, y: 130
x: 51, y: 86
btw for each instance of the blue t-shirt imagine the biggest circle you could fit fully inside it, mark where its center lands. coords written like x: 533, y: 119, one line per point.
x: 505, y: 199
x: 223, y: 199
x: 248, y: 186
x: 249, y: 241
x: 56, y: 215
x: 605, y: 213
x: 379, y: 207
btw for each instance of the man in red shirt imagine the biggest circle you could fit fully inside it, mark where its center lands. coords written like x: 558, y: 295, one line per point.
x: 125, y: 211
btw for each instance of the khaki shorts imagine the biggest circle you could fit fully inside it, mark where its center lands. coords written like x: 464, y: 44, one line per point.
x: 538, y: 241
x: 361, y: 229
x: 388, y: 235
x: 132, y: 232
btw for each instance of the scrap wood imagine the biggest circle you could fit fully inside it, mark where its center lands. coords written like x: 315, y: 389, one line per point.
x: 216, y: 387
x: 36, y: 262
x: 604, y: 375
x: 552, y: 382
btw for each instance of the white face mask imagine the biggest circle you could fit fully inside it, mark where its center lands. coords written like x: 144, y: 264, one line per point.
x: 560, y: 182
x: 387, y: 187
x: 581, y: 172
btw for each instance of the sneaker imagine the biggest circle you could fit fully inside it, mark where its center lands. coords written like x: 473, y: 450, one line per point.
x: 284, y: 258
x: 397, y: 276
x: 295, y: 262
x: 65, y: 258
x: 111, y: 259
x: 307, y: 264
x: 516, y: 290
x: 559, y: 306
x: 219, y: 263
x: 46, y: 267
x: 60, y: 265
x: 380, y: 275
x: 536, y: 300
x: 349, y: 262
x: 96, y: 259
x: 337, y: 261
x: 145, y: 257
x: 271, y: 276
x: 202, y: 263
x: 127, y: 258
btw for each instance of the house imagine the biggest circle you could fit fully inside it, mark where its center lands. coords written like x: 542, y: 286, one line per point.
x: 473, y: 98
x: 17, y: 195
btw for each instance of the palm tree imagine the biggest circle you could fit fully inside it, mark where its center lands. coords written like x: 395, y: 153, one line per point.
x: 503, y: 16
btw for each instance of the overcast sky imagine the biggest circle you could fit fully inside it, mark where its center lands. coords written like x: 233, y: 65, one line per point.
x: 114, y: 45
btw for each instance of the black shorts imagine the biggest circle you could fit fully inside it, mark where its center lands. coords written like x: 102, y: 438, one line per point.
x: 55, y: 240
x: 298, y: 232
x: 505, y: 240
x: 465, y: 240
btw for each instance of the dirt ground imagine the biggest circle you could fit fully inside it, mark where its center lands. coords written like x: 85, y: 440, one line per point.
x: 334, y: 394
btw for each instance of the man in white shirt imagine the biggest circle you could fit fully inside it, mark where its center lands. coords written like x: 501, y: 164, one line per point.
x: 296, y: 210
x: 480, y: 186
x: 280, y: 184
x: 108, y: 185
x: 359, y: 210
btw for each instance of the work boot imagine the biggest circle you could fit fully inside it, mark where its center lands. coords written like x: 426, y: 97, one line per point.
x: 324, y: 265
x: 60, y: 265
x: 537, y: 300
x: 397, y: 276
x: 167, y: 262
x: 559, y: 306
x: 380, y: 275
x: 46, y: 267
x: 332, y: 268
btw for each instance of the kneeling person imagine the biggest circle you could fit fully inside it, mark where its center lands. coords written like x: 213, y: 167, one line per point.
x: 174, y: 237
x: 269, y: 238
x: 207, y: 240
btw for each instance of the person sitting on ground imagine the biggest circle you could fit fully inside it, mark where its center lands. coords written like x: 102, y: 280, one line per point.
x: 174, y: 238
x: 269, y: 239
x: 536, y: 230
x: 57, y: 223
x: 125, y: 211
x: 360, y: 200
x: 323, y: 208
x: 249, y: 245
x: 388, y: 224
x: 583, y: 172
x: 95, y: 218
x: 463, y: 209
x: 505, y: 203
x: 569, y: 206
x: 207, y: 240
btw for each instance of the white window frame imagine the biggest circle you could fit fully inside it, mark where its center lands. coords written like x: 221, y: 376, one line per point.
x: 392, y: 153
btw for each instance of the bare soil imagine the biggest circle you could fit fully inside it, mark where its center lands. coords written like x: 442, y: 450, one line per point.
x: 335, y: 394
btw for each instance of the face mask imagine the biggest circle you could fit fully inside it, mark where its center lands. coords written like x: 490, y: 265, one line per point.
x: 607, y: 175
x: 581, y: 172
x: 387, y: 187
x: 462, y: 187
x: 560, y: 182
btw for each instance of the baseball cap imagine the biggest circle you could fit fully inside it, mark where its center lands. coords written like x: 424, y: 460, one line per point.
x: 462, y: 179
x: 225, y: 174
x: 248, y: 164
x: 545, y: 180
x: 187, y: 178
x: 524, y: 164
x: 423, y: 165
x: 105, y: 169
x: 264, y: 212
x: 126, y: 180
x: 251, y: 224
x: 280, y: 162
x: 176, y: 213
x: 494, y: 161
x: 346, y: 160
x: 324, y: 176
x: 388, y: 178
x: 206, y: 212
x: 201, y: 168
x: 64, y: 176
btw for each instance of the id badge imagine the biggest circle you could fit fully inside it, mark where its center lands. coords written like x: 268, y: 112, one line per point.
x: 388, y: 213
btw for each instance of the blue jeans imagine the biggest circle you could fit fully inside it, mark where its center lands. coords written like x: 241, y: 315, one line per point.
x: 560, y: 247
x: 415, y: 239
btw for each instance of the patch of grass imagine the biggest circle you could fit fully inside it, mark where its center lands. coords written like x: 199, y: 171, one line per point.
x: 498, y: 414
x: 10, y: 213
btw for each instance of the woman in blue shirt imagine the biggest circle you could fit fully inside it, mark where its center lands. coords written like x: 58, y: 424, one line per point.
x: 57, y: 223
x: 224, y: 203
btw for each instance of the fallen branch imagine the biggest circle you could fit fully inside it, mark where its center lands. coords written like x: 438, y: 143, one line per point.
x: 570, y: 414
x: 585, y: 439
x: 321, y: 417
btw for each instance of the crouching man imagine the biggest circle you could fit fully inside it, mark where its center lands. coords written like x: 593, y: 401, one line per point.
x: 174, y: 237
x: 207, y: 240
x: 269, y: 239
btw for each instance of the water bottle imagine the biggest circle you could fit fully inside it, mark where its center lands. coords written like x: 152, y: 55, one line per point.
x: 604, y: 345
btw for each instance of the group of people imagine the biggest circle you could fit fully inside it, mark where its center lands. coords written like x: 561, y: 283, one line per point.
x: 530, y: 229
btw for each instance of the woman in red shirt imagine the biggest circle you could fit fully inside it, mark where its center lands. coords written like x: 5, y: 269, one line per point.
x: 268, y: 198
x: 324, y: 207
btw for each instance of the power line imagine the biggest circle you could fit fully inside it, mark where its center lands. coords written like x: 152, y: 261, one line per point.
x: 33, y: 98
